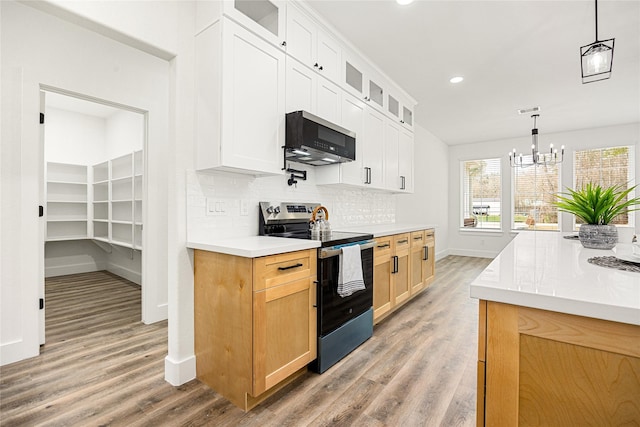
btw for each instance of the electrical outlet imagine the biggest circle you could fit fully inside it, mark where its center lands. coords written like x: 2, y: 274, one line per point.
x: 215, y: 207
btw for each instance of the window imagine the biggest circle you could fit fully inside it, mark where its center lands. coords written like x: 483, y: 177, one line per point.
x: 481, y: 190
x: 606, y: 167
x: 534, y: 188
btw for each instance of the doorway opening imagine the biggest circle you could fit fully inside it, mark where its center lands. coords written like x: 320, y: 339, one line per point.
x: 94, y: 193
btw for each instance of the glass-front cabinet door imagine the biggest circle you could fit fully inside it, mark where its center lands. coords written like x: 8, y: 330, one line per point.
x: 264, y: 17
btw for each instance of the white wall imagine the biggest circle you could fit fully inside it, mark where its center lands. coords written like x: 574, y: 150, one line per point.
x: 430, y: 201
x: 71, y: 137
x: 38, y: 49
x: 124, y: 133
x: 490, y: 243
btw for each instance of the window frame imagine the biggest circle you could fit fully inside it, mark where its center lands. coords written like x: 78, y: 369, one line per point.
x: 631, y: 179
x: 513, y: 202
x: 461, y: 210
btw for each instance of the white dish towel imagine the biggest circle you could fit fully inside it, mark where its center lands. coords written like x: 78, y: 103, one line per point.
x: 350, y: 272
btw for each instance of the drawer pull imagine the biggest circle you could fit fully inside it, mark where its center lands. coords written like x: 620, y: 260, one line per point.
x: 403, y: 241
x: 290, y: 267
x: 386, y: 245
x: 417, y: 238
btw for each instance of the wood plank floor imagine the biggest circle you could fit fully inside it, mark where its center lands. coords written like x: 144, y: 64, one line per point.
x: 102, y: 367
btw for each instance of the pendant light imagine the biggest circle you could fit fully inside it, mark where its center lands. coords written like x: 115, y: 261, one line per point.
x: 537, y: 158
x: 596, y: 58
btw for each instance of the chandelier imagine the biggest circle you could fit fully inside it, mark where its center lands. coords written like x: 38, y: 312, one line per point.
x: 537, y: 158
x: 596, y: 59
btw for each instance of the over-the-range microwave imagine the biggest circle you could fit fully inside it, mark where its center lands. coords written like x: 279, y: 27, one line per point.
x: 312, y: 140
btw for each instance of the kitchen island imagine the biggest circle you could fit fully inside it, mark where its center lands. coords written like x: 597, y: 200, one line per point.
x: 558, y: 338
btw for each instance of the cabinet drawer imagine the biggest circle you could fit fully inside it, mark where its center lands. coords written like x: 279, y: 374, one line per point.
x: 275, y: 270
x: 417, y: 239
x: 430, y: 236
x: 402, y: 241
x: 382, y: 247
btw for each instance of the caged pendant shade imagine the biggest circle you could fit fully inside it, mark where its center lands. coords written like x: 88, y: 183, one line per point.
x: 596, y: 59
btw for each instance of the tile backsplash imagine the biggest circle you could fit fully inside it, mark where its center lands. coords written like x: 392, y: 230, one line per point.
x: 223, y: 205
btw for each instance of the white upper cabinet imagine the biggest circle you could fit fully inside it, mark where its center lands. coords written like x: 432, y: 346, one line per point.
x: 373, y: 148
x: 311, y: 45
x: 363, y: 82
x: 240, y: 87
x: 406, y: 161
x: 311, y: 92
x: 392, y: 178
x: 265, y: 18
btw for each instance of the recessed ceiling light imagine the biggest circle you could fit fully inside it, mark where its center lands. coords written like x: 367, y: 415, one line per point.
x: 456, y: 79
x: 404, y: 2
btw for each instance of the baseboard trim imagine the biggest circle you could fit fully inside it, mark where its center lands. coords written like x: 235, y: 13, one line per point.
x: 442, y: 254
x: 134, y: 276
x: 17, y: 350
x: 63, y: 270
x: 178, y: 373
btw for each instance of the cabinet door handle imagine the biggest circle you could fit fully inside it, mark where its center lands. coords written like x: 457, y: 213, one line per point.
x: 403, y: 186
x: 290, y: 267
x: 367, y: 175
x: 366, y: 98
x: 386, y: 245
x: 402, y: 121
x: 321, y: 68
x: 426, y: 253
x: 395, y: 264
x: 284, y: 43
x: 315, y: 65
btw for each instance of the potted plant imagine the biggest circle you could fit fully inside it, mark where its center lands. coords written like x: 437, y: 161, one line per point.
x: 597, y: 207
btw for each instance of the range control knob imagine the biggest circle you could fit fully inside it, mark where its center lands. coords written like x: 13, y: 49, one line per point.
x: 309, y: 209
x: 277, y: 210
x: 270, y: 210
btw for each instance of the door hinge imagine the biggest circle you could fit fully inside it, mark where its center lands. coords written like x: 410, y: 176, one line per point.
x: 40, y: 211
x: 41, y: 118
x: 41, y: 303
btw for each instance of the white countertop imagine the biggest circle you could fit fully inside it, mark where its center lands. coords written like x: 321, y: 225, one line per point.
x: 545, y: 271
x: 254, y: 246
x: 379, y: 230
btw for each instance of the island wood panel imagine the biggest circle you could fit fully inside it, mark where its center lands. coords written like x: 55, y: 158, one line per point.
x: 542, y: 367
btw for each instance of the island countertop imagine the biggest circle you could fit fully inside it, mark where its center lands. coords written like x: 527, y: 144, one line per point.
x: 546, y: 271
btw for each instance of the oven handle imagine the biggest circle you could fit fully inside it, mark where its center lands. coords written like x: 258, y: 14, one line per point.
x: 337, y: 250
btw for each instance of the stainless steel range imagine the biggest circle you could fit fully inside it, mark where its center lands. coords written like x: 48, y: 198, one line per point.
x: 343, y: 322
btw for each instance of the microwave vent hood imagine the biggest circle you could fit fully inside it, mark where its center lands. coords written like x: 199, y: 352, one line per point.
x: 314, y: 141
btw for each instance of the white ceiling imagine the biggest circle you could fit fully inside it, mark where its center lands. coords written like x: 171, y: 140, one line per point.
x: 512, y: 54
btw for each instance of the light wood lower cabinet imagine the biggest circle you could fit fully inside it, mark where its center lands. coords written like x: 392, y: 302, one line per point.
x: 255, y: 322
x: 538, y: 367
x: 422, y: 259
x: 403, y: 266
